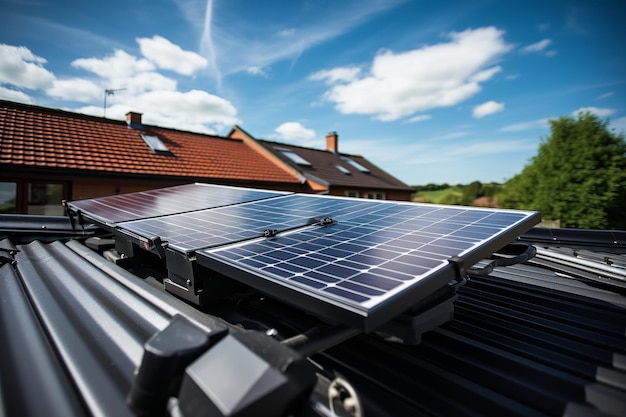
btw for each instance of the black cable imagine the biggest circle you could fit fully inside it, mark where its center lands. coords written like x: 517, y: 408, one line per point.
x: 522, y: 252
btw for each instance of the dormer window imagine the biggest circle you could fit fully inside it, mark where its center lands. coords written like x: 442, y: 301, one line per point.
x: 356, y: 164
x: 155, y: 143
x: 294, y: 157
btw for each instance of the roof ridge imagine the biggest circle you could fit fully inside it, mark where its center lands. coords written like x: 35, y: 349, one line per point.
x: 309, y: 148
x: 91, y: 117
x: 60, y: 112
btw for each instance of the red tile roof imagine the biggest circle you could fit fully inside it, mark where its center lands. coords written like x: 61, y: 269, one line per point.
x: 41, y: 137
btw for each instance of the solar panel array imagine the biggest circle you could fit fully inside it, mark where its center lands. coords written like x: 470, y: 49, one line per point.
x: 370, y: 262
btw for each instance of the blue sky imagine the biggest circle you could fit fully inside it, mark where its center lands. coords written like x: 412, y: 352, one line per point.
x: 444, y: 91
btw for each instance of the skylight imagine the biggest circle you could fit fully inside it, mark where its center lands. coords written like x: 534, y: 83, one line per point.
x: 342, y: 169
x: 294, y: 157
x: 154, y: 142
x: 355, y: 164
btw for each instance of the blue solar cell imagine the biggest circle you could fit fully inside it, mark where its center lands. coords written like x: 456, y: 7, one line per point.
x: 376, y: 281
x: 319, y: 276
x: 350, y: 295
x: 360, y: 289
x: 308, y: 282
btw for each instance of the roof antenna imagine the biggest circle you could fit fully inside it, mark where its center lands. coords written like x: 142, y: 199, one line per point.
x: 109, y: 92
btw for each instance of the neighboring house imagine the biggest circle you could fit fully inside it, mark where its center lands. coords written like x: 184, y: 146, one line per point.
x: 329, y: 171
x: 47, y: 155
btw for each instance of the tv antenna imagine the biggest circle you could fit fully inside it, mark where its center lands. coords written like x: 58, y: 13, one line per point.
x: 109, y: 92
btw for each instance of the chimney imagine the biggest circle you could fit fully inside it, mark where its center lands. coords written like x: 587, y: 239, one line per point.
x: 332, y: 142
x: 133, y: 119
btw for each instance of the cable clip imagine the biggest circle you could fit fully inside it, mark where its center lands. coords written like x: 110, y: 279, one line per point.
x: 326, y: 221
x: 270, y: 232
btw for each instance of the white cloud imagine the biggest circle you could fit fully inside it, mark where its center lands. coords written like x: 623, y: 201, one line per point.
x: 19, y: 67
x: 192, y: 107
x: 537, y: 46
x: 137, y: 86
x: 533, y: 124
x: 487, y: 108
x: 594, y: 110
x: 419, y: 118
x: 144, y: 82
x: 291, y: 131
x: 287, y: 32
x: 257, y: 71
x: 336, y: 75
x: 118, y: 65
x: 123, y: 71
x: 605, y: 95
x: 441, y: 75
x: 169, y: 56
x: 194, y: 110
x: 76, y: 90
x: 14, y: 95
x: 448, y: 136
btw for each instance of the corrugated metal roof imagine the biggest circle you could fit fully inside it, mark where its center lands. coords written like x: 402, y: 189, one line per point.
x: 535, y: 339
x: 72, y: 331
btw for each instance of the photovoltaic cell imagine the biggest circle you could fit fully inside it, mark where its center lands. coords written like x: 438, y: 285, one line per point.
x: 172, y: 200
x: 376, y: 254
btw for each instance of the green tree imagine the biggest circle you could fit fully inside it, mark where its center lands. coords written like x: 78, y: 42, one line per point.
x: 578, y: 176
x: 471, y: 192
x: 451, y: 196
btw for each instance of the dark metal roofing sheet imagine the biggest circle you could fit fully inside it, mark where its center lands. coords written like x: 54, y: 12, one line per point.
x: 527, y: 340
x: 67, y: 314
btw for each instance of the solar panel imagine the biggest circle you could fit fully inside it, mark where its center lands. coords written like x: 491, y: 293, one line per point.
x: 161, y: 202
x: 374, y: 261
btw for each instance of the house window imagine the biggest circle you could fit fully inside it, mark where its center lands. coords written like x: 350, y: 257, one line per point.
x: 375, y: 196
x: 294, y: 157
x: 356, y: 164
x: 45, y: 199
x: 8, y: 197
x: 155, y: 143
x: 352, y: 194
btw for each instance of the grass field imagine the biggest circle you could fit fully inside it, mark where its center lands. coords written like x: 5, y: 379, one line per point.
x: 439, y: 196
